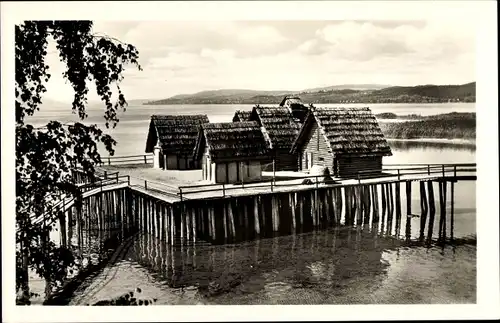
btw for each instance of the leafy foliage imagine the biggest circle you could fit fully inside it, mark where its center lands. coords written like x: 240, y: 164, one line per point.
x: 46, y: 157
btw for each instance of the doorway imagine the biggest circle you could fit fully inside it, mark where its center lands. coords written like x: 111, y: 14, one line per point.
x: 309, y: 160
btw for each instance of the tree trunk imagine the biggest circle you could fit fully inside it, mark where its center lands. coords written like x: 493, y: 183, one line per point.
x: 24, y: 291
x: 47, y: 265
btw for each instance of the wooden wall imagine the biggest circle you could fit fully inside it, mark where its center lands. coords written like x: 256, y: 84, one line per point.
x: 236, y: 172
x: 172, y: 162
x: 176, y: 162
x: 232, y: 172
x: 220, y: 173
x: 318, y: 147
x: 254, y: 170
x: 284, y: 161
x: 349, y: 166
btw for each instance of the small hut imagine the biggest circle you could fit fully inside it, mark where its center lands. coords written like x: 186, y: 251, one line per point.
x: 230, y: 152
x: 344, y: 140
x: 280, y: 130
x: 298, y: 109
x: 242, y: 116
x: 172, y: 139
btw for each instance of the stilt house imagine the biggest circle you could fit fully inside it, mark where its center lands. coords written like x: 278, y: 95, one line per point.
x: 280, y: 130
x: 242, y: 116
x: 172, y: 139
x: 345, y: 140
x: 231, y: 152
x: 298, y: 109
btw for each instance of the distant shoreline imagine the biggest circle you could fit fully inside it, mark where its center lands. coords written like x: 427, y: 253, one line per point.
x: 454, y: 141
x: 332, y: 95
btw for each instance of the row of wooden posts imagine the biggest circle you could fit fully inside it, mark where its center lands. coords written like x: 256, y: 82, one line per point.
x: 118, y: 212
x: 89, y: 225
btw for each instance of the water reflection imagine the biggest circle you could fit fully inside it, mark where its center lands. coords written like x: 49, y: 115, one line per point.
x: 325, y: 258
x: 342, y: 265
x: 432, y: 145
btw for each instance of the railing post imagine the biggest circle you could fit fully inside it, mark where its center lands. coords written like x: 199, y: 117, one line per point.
x: 223, y: 190
x: 146, y: 185
x: 317, y: 184
x: 180, y: 193
x: 128, y: 180
x: 109, y: 161
x: 454, y: 170
x: 359, y: 179
x: 442, y: 167
x: 399, y: 174
x: 105, y: 174
x: 428, y: 169
x: 145, y: 159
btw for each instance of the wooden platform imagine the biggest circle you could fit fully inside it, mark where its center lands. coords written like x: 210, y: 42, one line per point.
x: 174, y: 185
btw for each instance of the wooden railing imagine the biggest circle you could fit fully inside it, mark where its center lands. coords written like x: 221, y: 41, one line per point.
x: 442, y: 170
x: 223, y: 188
x: 390, y: 171
x: 124, y: 160
x: 396, y: 171
x: 153, y: 186
x: 64, y: 200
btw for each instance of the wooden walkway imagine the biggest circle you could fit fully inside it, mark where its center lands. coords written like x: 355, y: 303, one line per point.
x: 257, y: 208
x: 295, y: 182
x: 174, y: 194
x: 116, y: 206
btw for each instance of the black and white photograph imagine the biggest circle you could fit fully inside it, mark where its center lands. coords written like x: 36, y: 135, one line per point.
x: 180, y: 154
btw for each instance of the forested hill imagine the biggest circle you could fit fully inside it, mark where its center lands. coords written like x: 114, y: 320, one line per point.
x: 334, y: 94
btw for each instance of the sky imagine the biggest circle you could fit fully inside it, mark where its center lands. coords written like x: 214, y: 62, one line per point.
x: 181, y: 57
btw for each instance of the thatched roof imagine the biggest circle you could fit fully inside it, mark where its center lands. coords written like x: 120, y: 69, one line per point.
x: 348, y: 131
x: 232, y: 140
x: 297, y: 107
x: 176, y: 134
x: 241, y: 115
x: 279, y: 125
x: 291, y: 100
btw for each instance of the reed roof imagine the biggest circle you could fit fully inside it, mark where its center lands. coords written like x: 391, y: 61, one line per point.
x: 241, y: 115
x: 279, y: 125
x: 232, y: 140
x: 348, y: 131
x: 291, y: 100
x: 176, y: 134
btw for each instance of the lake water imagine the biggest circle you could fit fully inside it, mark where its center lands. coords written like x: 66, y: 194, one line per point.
x: 132, y: 130
x: 335, y: 266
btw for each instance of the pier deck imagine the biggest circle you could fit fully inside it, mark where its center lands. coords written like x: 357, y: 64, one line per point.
x: 176, y: 185
x: 119, y: 204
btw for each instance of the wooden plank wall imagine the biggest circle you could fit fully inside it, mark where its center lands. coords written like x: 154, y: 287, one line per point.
x: 317, y: 145
x: 349, y: 167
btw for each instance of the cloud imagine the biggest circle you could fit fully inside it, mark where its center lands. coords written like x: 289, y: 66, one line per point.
x: 314, y: 47
x: 186, y: 57
x: 193, y: 36
x: 369, y: 40
x: 363, y: 41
